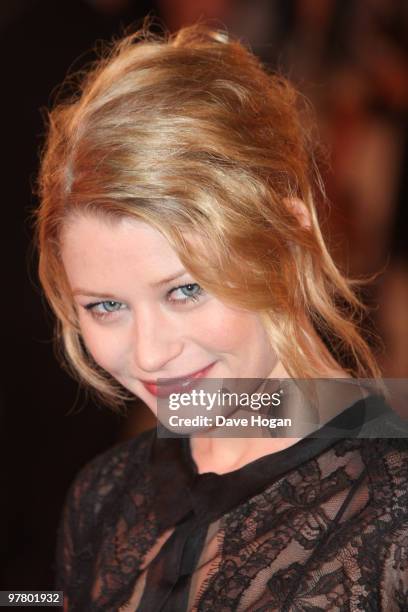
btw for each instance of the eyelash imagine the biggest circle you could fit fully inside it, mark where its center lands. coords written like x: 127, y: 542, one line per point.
x: 107, y: 314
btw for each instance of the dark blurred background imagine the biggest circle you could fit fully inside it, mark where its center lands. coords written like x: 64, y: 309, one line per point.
x: 350, y: 58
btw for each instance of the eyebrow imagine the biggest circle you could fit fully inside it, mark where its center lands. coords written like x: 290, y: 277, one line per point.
x: 164, y: 281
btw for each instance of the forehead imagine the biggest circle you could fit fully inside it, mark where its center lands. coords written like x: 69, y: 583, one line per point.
x: 101, y: 248
x: 109, y: 232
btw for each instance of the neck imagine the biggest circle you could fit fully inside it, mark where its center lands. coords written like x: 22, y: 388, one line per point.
x: 222, y: 455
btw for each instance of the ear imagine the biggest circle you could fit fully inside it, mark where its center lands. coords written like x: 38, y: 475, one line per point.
x: 299, y: 209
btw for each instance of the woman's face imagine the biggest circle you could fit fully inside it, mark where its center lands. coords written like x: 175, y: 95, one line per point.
x: 143, y: 316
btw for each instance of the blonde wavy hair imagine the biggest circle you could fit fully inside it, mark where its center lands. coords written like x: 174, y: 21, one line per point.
x: 191, y: 134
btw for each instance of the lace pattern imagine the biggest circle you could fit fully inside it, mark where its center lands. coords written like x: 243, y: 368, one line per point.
x: 330, y: 533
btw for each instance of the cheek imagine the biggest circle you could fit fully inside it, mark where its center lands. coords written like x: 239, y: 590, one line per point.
x: 228, y: 329
x: 104, y: 348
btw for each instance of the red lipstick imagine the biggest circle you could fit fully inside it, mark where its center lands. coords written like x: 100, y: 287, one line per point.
x: 175, y: 385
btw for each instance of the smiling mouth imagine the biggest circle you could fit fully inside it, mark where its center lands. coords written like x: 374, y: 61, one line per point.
x: 175, y: 385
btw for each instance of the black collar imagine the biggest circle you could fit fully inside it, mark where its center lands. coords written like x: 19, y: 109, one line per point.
x: 181, y: 492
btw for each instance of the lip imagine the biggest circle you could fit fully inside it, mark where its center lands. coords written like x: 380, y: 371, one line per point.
x: 175, y: 385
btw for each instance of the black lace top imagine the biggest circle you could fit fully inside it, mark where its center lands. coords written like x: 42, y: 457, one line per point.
x: 321, y: 525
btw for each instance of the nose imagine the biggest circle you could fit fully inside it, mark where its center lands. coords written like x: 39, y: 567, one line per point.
x: 155, y: 341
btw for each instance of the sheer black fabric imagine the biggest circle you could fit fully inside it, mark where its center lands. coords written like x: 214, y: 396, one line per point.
x: 321, y: 525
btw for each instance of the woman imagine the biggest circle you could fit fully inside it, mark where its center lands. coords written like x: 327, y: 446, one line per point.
x: 179, y: 238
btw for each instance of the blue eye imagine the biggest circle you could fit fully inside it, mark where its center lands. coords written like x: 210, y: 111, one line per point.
x: 191, y: 292
x: 111, y: 306
x: 101, y: 310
